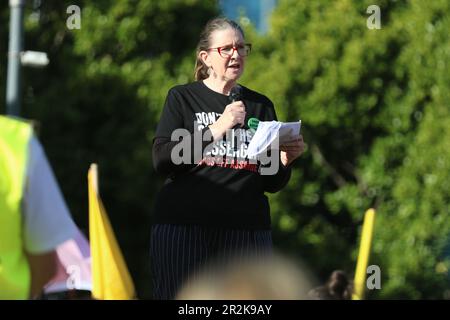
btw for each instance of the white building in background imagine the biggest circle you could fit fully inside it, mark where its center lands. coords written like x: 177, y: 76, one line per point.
x: 257, y: 11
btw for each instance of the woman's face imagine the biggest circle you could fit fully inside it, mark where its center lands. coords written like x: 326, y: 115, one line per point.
x: 224, y: 66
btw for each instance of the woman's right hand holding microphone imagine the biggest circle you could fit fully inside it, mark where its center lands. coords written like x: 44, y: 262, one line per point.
x: 233, y: 115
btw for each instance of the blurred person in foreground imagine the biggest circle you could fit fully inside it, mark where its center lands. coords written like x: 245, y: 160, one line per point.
x: 273, y: 277
x: 34, y: 218
x: 338, y: 287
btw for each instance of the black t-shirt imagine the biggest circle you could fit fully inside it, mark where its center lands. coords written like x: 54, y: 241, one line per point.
x: 221, y: 186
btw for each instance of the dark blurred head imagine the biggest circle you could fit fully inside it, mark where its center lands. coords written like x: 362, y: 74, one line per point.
x: 338, y: 287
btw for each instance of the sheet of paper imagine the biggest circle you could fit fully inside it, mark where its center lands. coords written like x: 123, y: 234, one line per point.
x: 289, y: 131
x: 268, y: 131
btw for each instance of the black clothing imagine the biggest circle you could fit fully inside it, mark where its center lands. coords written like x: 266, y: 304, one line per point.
x: 180, y: 251
x: 206, y: 191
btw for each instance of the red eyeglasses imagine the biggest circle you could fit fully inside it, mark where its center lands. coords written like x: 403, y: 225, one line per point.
x: 227, y: 51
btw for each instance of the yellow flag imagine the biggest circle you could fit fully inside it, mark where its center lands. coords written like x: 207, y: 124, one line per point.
x: 363, y: 256
x: 110, y: 277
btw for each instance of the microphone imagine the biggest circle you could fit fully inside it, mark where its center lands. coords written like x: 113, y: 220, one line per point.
x: 235, y: 95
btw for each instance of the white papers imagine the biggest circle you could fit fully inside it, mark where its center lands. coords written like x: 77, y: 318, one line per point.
x: 268, y: 131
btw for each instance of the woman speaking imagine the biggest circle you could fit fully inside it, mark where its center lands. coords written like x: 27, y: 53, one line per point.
x: 213, y: 206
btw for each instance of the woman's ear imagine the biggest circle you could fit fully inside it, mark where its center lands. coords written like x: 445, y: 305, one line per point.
x: 204, y: 56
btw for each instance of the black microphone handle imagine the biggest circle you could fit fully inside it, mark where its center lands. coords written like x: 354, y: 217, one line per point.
x: 236, y: 95
x: 237, y: 126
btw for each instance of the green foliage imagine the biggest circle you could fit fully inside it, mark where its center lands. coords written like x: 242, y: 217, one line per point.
x: 375, y: 118
x: 100, y: 98
x: 374, y: 106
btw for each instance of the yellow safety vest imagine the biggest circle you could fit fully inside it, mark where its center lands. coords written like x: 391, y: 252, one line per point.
x: 14, y: 269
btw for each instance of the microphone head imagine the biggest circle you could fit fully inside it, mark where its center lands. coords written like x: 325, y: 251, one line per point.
x: 236, y: 93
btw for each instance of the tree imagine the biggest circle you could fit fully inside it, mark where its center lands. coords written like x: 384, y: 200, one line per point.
x: 375, y: 121
x: 99, y: 101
